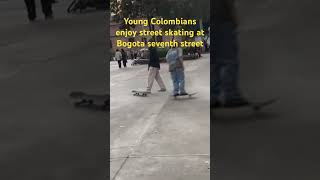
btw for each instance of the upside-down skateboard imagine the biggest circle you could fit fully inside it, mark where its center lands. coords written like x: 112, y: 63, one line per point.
x: 140, y: 93
x: 185, y: 95
x: 256, y: 106
x: 90, y: 100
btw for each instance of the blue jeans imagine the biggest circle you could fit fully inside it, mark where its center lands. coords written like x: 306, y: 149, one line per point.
x: 177, y: 76
x: 225, y: 64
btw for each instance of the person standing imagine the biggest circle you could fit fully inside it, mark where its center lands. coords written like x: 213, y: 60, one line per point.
x: 118, y: 57
x: 124, y: 58
x: 175, y: 59
x: 154, y: 70
x: 225, y: 61
x: 46, y: 9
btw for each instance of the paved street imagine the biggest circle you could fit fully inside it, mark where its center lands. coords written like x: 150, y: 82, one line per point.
x: 43, y: 137
x: 279, y: 58
x: 156, y: 137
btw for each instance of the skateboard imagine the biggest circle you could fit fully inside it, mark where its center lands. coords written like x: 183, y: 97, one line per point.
x: 140, y: 93
x: 256, y: 106
x: 90, y: 100
x: 188, y: 95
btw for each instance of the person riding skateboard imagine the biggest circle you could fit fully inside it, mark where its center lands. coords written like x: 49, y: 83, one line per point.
x: 154, y: 70
x: 225, y: 65
x: 46, y: 9
x: 175, y: 59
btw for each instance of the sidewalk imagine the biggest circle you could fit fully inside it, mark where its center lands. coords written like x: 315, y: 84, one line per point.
x: 156, y: 137
x: 43, y: 137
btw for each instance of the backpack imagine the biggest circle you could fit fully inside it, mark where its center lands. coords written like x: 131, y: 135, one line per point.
x: 172, y: 56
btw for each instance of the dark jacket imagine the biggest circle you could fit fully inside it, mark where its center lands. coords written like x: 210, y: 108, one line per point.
x: 124, y: 56
x: 153, y: 58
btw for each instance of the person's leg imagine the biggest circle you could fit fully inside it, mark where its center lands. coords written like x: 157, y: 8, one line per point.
x: 230, y: 73
x: 199, y: 52
x: 124, y: 63
x: 47, y: 8
x: 151, y: 77
x: 180, y: 77
x: 160, y: 81
x: 215, y: 82
x: 230, y: 79
x: 31, y: 8
x: 219, y: 50
x: 175, y: 82
x: 119, y: 64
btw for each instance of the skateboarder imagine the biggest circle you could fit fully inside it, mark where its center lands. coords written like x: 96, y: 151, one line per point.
x: 118, y: 57
x: 175, y: 59
x: 46, y: 9
x: 225, y: 64
x: 154, y: 70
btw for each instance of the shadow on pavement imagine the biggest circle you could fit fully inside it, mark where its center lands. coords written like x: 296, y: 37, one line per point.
x: 241, y: 118
x: 93, y: 107
x: 183, y: 98
x: 87, y: 11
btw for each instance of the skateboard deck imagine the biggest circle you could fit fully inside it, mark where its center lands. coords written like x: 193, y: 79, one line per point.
x: 140, y: 93
x: 187, y: 95
x: 90, y: 100
x: 256, y: 106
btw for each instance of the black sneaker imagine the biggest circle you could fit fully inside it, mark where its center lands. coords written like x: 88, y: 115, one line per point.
x: 32, y: 19
x: 183, y: 94
x: 236, y: 102
x: 32, y: 16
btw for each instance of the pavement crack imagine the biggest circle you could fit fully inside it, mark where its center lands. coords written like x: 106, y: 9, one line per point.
x: 122, y: 165
x: 152, y: 119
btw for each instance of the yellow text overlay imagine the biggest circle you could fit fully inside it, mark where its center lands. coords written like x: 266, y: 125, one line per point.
x: 173, y: 43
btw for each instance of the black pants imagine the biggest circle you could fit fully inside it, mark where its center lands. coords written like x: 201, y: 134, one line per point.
x: 119, y: 63
x: 124, y: 63
x: 31, y: 7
